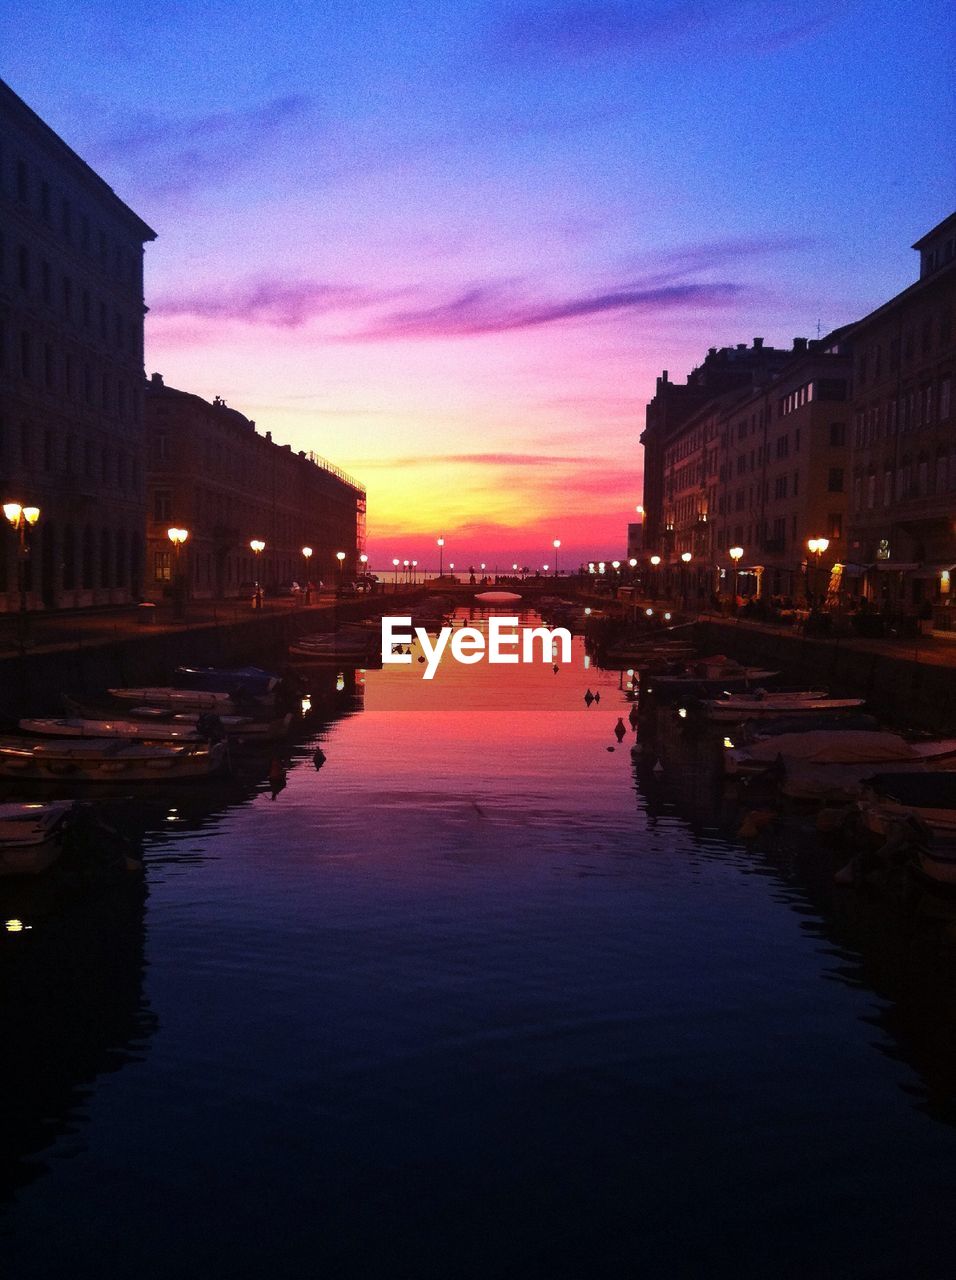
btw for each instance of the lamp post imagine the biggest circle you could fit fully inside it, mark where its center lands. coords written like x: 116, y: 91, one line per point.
x: 685, y: 559
x: 340, y: 556
x: 655, y: 566
x: 258, y: 546
x: 307, y: 556
x: 22, y: 519
x: 395, y: 564
x: 556, y: 544
x: 414, y: 573
x: 441, y: 557
x: 177, y: 537
x: 816, y: 547
x: 735, y: 554
x: 406, y: 566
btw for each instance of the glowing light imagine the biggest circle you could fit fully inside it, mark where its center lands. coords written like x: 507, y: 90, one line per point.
x: 735, y: 553
x: 632, y: 562
x: 15, y: 926
x: 667, y: 617
x: 686, y: 557
x: 682, y: 712
x: 655, y: 561
x: 339, y: 682
x: 257, y: 545
x: 306, y: 705
x: 728, y: 744
x: 649, y: 613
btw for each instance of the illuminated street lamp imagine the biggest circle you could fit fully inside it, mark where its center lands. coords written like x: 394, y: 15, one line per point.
x: 177, y: 537
x: 816, y: 547
x: 655, y: 576
x: 307, y: 556
x: 686, y: 558
x: 340, y: 556
x: 258, y: 546
x: 22, y: 519
x: 395, y: 564
x: 441, y: 556
x: 557, y: 545
x: 735, y: 554
x: 414, y: 572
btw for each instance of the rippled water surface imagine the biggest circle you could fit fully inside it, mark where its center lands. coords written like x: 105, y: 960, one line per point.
x: 478, y: 997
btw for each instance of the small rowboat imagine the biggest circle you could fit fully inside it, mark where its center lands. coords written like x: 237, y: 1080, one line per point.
x: 247, y: 681
x: 742, y: 706
x: 139, y: 731
x: 31, y: 836
x: 95, y: 760
x: 931, y: 797
x: 196, y: 699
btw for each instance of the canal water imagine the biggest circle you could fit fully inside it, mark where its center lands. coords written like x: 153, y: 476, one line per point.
x: 480, y: 995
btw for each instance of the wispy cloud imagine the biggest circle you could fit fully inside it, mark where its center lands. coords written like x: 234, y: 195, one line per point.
x: 585, y: 31
x: 175, y: 155
x: 486, y: 309
x: 278, y: 302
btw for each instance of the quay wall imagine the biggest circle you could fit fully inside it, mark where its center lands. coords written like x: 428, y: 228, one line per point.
x: 34, y: 683
x: 899, y: 688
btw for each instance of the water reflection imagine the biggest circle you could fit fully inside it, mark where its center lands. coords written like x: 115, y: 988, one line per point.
x: 480, y: 993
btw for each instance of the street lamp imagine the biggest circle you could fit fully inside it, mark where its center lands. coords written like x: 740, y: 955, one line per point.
x: 655, y: 576
x: 816, y: 547
x: 556, y: 544
x: 686, y: 558
x: 340, y: 556
x: 735, y: 554
x: 307, y: 556
x: 258, y: 546
x: 22, y: 518
x: 177, y: 537
x: 441, y: 556
x: 395, y: 564
x: 414, y: 573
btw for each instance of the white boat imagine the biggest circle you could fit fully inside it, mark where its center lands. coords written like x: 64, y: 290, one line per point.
x: 96, y: 760
x: 835, y: 748
x: 31, y: 836
x: 199, y: 699
x: 498, y: 597
x: 136, y: 730
x: 241, y: 727
x: 745, y: 706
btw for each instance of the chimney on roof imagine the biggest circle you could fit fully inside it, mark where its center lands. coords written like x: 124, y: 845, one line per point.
x: 799, y: 344
x: 157, y: 380
x: 269, y: 436
x: 741, y: 346
x: 758, y: 344
x: 711, y: 351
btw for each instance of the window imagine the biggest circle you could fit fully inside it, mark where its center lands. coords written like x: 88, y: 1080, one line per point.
x: 162, y: 566
x: 945, y: 389
x: 835, y: 523
x: 835, y: 480
x: 780, y: 487
x: 837, y: 435
x: 783, y: 447
x: 162, y: 505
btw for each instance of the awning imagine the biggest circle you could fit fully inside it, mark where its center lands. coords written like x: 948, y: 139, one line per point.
x: 896, y: 566
x: 850, y: 570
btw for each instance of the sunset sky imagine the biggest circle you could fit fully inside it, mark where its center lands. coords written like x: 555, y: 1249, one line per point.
x: 450, y: 245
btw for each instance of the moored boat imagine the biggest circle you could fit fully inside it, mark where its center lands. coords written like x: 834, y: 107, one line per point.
x: 96, y: 760
x: 245, y: 681
x: 821, y: 747
x: 929, y: 796
x: 31, y: 836
x: 734, y: 707
x: 136, y: 730
x: 165, y: 696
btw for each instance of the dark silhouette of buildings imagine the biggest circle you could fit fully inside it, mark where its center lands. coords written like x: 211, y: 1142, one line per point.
x: 71, y: 371
x: 211, y: 472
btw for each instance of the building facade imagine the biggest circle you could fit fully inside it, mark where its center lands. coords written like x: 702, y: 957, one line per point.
x: 71, y: 372
x: 761, y: 466
x: 903, y: 468
x: 210, y: 472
